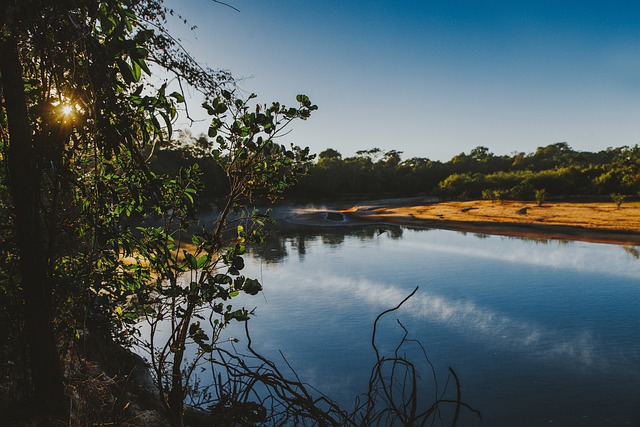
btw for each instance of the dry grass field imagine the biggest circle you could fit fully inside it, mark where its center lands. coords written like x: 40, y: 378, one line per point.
x: 596, y: 221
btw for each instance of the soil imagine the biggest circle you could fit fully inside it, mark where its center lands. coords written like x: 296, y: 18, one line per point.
x: 600, y: 222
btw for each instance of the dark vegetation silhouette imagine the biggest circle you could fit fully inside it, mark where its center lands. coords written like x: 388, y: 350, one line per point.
x: 554, y: 170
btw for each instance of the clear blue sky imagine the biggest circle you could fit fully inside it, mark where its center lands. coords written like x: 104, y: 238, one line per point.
x: 434, y: 78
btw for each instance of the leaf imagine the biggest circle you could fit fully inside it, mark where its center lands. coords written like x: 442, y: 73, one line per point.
x: 251, y: 286
x: 202, y: 261
x: 303, y: 99
x: 139, y: 52
x: 178, y: 97
x: 222, y: 279
x: 189, y: 197
x: 191, y: 260
x: 125, y: 71
x: 143, y: 64
x: 209, y: 108
x: 135, y: 70
x: 238, y: 263
x: 167, y: 122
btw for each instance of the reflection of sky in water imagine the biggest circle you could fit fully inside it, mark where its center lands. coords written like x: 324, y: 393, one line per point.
x: 537, y: 331
x: 530, y: 319
x: 577, y: 348
x: 580, y: 256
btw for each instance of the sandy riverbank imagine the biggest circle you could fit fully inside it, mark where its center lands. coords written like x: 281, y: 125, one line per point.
x: 600, y: 222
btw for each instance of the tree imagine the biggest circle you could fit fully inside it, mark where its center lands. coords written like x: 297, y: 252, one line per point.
x: 25, y: 188
x: 541, y: 195
x: 618, y: 199
x: 329, y: 153
x: 255, y: 166
x: 78, y: 111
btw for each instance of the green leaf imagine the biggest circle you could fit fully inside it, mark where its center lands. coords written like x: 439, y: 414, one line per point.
x: 143, y: 64
x: 303, y: 99
x: 189, y: 197
x: 202, y: 261
x: 193, y: 263
x: 136, y: 71
x: 222, y: 279
x: 139, y: 52
x: 125, y: 71
x: 178, y: 97
x: 251, y: 286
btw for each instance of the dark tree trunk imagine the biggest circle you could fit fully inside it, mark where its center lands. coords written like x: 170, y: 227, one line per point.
x: 24, y: 184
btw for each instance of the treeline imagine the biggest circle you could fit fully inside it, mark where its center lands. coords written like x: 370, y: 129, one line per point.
x: 556, y: 170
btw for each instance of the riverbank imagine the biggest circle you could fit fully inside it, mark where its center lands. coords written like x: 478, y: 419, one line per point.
x: 599, y: 222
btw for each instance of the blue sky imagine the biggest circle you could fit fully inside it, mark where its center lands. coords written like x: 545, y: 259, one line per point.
x: 433, y: 78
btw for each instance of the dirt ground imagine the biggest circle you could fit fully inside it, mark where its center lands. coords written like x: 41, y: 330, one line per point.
x: 595, y: 222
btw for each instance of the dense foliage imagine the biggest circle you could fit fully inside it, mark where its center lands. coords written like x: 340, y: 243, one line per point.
x: 92, y: 238
x: 96, y: 239
x: 557, y: 169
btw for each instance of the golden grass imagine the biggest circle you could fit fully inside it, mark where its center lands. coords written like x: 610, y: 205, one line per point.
x: 578, y: 221
x: 587, y: 215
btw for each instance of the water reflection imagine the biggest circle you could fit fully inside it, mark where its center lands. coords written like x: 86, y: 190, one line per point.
x: 275, y: 249
x: 633, y: 251
x: 520, y: 321
x: 577, y: 350
x: 559, y: 253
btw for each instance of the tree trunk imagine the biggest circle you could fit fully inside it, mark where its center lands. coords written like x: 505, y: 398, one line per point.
x: 24, y: 184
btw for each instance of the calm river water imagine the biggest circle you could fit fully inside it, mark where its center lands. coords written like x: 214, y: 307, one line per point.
x: 539, y: 332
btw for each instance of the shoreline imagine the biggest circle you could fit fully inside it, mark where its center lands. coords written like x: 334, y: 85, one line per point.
x: 595, y: 222
x: 532, y: 231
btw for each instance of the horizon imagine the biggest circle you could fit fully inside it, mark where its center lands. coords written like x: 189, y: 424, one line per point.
x: 432, y: 79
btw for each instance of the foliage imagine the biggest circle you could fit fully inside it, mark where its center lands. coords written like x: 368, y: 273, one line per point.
x: 97, y: 232
x: 557, y: 168
x: 541, y: 196
x: 618, y: 199
x: 204, y: 274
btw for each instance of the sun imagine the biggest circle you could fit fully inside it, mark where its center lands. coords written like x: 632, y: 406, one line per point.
x: 67, y: 110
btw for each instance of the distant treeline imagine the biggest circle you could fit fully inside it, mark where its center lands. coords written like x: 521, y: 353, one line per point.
x: 555, y: 171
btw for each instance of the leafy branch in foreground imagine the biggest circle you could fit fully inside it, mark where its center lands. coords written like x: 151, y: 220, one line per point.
x: 250, y: 389
x: 196, y: 274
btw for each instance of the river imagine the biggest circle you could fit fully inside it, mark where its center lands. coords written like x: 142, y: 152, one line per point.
x: 538, y: 332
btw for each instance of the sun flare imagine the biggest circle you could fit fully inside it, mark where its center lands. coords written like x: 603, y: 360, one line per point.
x: 67, y: 110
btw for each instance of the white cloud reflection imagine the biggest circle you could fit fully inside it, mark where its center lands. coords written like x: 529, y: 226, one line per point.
x: 579, y: 256
x: 578, y: 349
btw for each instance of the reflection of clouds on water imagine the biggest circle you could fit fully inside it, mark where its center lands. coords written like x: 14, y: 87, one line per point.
x: 580, y: 349
x: 583, y: 257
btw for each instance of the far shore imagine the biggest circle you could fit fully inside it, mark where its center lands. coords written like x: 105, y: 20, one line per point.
x: 598, y: 222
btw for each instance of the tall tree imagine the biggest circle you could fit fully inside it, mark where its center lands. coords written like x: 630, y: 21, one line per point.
x: 24, y: 184
x: 71, y: 83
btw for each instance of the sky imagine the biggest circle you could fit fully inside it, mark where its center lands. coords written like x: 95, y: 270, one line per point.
x: 432, y: 78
